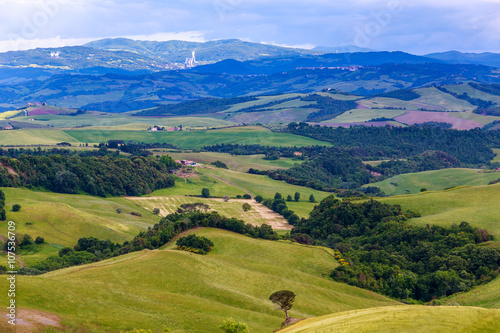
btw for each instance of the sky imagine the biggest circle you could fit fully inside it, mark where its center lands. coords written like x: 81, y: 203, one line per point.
x: 418, y: 26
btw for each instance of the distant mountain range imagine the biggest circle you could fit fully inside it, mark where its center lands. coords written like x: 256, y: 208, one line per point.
x: 123, y: 55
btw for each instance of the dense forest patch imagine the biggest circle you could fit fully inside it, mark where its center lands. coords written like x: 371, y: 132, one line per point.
x: 390, y: 256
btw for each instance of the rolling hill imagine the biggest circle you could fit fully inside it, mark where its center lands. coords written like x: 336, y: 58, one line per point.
x: 403, y: 319
x: 192, y: 293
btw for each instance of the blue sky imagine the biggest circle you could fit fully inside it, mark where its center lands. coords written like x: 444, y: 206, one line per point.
x: 418, y: 26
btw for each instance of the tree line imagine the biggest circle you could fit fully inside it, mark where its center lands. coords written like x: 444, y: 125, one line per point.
x: 104, y: 176
x: 90, y: 249
x: 383, y: 253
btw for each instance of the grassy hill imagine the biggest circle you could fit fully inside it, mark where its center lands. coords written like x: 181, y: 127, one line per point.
x: 411, y: 183
x: 193, y: 293
x: 403, y: 319
x: 476, y: 205
x: 184, y: 139
x: 267, y: 187
x: 234, y: 162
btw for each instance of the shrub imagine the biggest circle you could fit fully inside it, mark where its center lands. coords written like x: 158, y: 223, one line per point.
x: 27, y: 240
x: 136, y: 214
x: 311, y: 198
x: 205, y: 192
x: 297, y: 196
x: 289, y: 198
x: 226, y: 198
x: 246, y: 207
x: 16, y: 208
x: 247, y: 196
x: 278, y: 196
x: 259, y: 198
x: 119, y: 210
x: 219, y: 164
x: 156, y: 211
x: 232, y: 326
x: 423, y: 189
x: 195, y: 244
x: 39, y: 240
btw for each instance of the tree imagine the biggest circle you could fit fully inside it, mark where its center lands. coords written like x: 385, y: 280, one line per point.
x: 311, y: 198
x: 278, y: 196
x: 205, y: 192
x: 259, y: 198
x: 297, y: 196
x: 226, y: 198
x: 284, y: 299
x: 156, y: 211
x: 232, y: 326
x: 289, y: 198
x: 119, y: 210
x: 247, y: 196
x: 39, y: 240
x: 423, y: 189
x: 246, y: 207
x: 16, y: 208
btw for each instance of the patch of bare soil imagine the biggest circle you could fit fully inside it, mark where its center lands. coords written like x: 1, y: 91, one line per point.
x: 29, y: 320
x: 10, y: 170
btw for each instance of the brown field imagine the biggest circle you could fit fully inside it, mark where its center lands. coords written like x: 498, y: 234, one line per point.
x: 420, y: 117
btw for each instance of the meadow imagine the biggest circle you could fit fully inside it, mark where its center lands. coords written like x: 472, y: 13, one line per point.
x: 363, y: 115
x: 267, y: 187
x: 192, y: 293
x: 476, y: 205
x: 234, y: 162
x: 257, y: 215
x: 412, y: 183
x: 403, y: 318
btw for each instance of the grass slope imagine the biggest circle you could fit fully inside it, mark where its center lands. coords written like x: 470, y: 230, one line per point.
x: 193, y: 293
x: 235, y: 162
x: 403, y: 319
x: 476, y: 205
x: 258, y: 215
x: 485, y: 296
x: 267, y: 187
x: 411, y: 183
x: 61, y: 219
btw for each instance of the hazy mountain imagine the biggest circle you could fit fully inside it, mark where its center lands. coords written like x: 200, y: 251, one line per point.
x: 211, y: 51
x: 487, y: 58
x: 79, y: 57
x: 342, y: 49
x: 280, y: 64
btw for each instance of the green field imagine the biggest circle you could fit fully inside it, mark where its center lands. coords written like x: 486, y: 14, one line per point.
x: 403, y: 318
x: 267, y: 187
x: 476, y: 205
x: 363, y: 115
x: 61, y: 219
x: 258, y: 215
x: 196, y: 182
x: 192, y: 293
x: 483, y: 120
x: 184, y: 139
x: 261, y: 100
x: 474, y: 93
x: 485, y: 296
x: 497, y: 158
x: 234, y: 162
x: 411, y: 183
x: 101, y: 120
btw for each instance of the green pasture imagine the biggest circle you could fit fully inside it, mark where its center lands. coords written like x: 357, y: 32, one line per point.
x: 411, y: 183
x: 187, y: 292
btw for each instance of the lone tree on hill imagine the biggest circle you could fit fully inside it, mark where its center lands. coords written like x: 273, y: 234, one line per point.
x: 284, y: 299
x: 297, y: 196
x: 246, y: 207
x: 311, y: 198
x: 205, y: 192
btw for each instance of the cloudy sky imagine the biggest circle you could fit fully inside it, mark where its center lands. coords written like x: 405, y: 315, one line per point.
x: 418, y: 26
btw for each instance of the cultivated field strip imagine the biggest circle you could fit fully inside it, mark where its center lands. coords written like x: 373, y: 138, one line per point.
x: 258, y: 215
